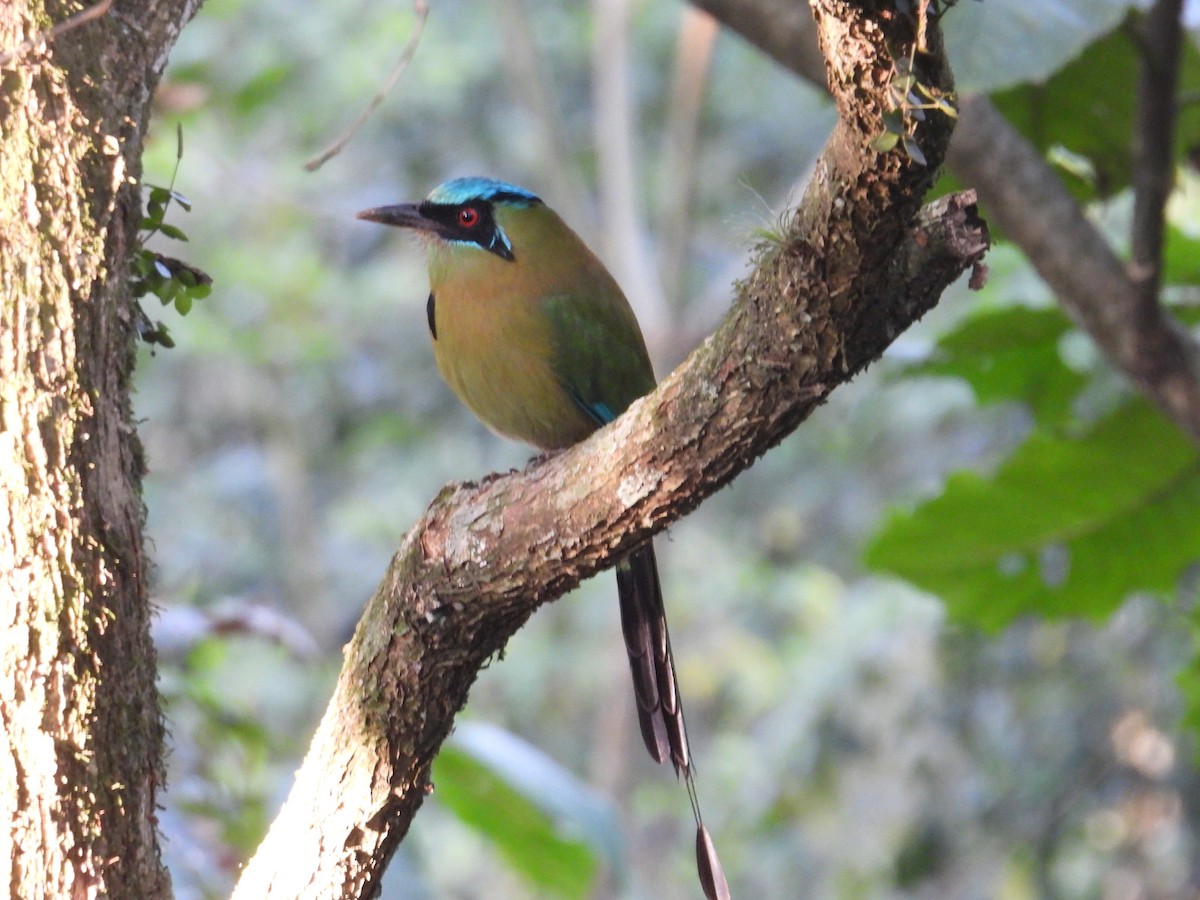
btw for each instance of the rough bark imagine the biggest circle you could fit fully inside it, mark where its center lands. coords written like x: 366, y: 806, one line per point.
x: 854, y: 266
x: 80, y: 730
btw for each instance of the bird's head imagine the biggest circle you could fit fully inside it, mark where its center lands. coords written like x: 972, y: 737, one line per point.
x: 468, y: 212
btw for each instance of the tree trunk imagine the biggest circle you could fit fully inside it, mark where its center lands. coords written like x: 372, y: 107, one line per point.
x: 81, y: 732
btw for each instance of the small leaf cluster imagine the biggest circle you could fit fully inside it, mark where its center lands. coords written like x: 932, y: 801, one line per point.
x: 171, y: 280
x: 910, y: 99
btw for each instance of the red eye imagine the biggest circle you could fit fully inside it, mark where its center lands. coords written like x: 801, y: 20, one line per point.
x: 468, y: 217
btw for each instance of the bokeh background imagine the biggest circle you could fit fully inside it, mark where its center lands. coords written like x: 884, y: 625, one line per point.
x: 853, y: 738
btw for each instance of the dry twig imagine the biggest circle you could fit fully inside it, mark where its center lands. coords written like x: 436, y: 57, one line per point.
x: 421, y: 11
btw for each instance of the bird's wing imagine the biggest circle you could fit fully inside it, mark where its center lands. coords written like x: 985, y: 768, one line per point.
x: 599, y: 355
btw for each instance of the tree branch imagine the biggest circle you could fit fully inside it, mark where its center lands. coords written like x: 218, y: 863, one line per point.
x: 1154, y: 145
x: 1136, y: 334
x: 782, y: 29
x: 1153, y: 350
x: 858, y: 262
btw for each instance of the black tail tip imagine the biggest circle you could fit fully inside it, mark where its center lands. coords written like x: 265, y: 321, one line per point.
x: 708, y: 866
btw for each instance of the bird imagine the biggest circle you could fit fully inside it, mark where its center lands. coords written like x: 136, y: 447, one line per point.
x: 537, y: 339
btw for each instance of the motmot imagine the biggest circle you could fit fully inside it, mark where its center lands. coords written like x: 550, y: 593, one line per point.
x: 535, y: 336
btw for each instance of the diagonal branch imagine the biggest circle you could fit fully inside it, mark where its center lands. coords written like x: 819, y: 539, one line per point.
x: 1031, y: 204
x: 858, y: 262
x: 782, y: 29
x: 1123, y: 317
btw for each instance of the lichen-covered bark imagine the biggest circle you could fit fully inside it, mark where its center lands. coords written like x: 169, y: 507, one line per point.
x: 80, y: 730
x: 856, y: 265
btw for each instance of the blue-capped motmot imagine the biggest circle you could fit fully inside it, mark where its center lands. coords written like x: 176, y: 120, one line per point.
x: 534, y: 335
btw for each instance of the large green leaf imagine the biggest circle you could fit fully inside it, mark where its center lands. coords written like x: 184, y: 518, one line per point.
x: 1189, y: 687
x: 548, y: 825
x: 1189, y: 683
x: 1088, y: 109
x: 1181, y: 259
x: 1065, y: 527
x: 1000, y: 43
x: 1010, y: 354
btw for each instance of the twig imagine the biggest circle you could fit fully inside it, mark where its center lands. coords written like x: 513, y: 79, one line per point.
x: 92, y: 12
x: 1153, y: 169
x: 421, y: 11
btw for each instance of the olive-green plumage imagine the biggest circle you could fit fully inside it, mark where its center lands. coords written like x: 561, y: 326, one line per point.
x: 532, y: 344
x: 534, y: 335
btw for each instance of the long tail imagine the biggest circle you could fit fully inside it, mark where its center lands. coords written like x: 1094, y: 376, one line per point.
x: 659, y: 710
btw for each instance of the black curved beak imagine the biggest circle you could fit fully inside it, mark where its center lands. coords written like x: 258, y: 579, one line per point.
x: 402, y: 215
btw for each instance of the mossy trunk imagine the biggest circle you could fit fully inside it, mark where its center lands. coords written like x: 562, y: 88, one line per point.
x: 81, y: 735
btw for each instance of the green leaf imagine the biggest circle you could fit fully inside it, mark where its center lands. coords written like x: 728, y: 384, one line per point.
x: 1001, y: 43
x: 172, y: 232
x: 946, y: 106
x: 510, y: 816
x: 166, y: 291
x: 1181, y: 259
x: 913, y: 149
x: 156, y: 206
x: 265, y: 87
x: 1065, y: 527
x: 183, y: 302
x: 1189, y: 682
x: 158, y: 335
x: 885, y: 141
x: 552, y: 787
x: 893, y: 121
x: 1010, y: 354
x: 1088, y: 109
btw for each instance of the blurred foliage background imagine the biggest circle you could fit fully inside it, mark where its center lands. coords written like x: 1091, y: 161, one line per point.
x: 937, y: 644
